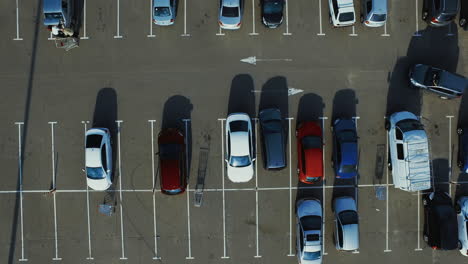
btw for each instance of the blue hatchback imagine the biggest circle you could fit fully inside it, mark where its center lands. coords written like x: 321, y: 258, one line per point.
x: 345, y: 149
x: 463, y: 149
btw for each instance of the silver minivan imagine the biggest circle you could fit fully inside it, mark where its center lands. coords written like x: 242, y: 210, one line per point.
x: 57, y: 12
x: 374, y: 12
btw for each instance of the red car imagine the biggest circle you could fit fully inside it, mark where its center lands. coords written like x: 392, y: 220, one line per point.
x: 172, y: 165
x: 309, y: 152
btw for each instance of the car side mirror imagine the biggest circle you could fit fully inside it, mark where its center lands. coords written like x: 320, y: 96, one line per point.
x: 226, y: 160
x: 108, y: 171
x: 83, y: 170
x: 254, y: 159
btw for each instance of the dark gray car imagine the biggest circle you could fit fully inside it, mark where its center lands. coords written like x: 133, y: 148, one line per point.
x: 446, y: 84
x: 273, y: 135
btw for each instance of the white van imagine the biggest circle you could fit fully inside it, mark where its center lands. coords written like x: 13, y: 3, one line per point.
x: 57, y: 12
x: 409, y: 158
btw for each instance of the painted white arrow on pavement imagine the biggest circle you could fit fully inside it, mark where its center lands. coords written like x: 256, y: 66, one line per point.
x: 291, y: 91
x: 253, y: 60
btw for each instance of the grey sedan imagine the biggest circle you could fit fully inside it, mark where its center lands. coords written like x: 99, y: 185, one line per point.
x: 446, y: 84
x: 273, y: 139
x: 164, y: 12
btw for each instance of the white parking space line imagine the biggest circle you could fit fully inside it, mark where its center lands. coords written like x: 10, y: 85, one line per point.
x: 290, y: 191
x: 450, y: 154
x: 256, y: 188
x: 450, y: 34
x: 119, y: 122
x: 17, y: 23
x: 253, y: 33
x: 324, y: 182
x: 52, y: 124
x: 320, y: 18
x: 417, y: 34
x: 185, y: 20
x: 386, y: 207
x: 353, y: 34
x: 85, y: 125
x: 84, y: 21
x: 287, y: 33
x: 188, y: 191
x: 220, y: 32
x: 222, y: 182
x: 419, y: 222
x: 51, y: 37
x: 20, y: 172
x: 117, y: 35
x: 385, y: 34
x: 153, y: 174
x: 151, y: 35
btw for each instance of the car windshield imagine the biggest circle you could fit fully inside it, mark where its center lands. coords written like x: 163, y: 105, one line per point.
x: 378, y: 17
x: 311, y: 142
x: 345, y: 17
x: 432, y: 78
x: 170, y: 151
x: 53, y: 15
x: 409, y: 125
x: 95, y: 173
x: 273, y: 7
x: 348, y: 168
x: 311, y: 222
x: 347, y: 136
x: 446, y: 17
x: 230, y: 12
x: 239, y: 161
x: 93, y: 141
x: 311, y: 255
x: 348, y: 217
x: 238, y: 126
x: 162, y: 11
x: 272, y: 126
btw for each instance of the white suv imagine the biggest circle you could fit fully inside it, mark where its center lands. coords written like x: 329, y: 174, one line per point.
x: 409, y: 158
x: 342, y: 13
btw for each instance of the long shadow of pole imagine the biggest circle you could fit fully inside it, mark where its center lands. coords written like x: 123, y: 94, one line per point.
x: 14, y: 228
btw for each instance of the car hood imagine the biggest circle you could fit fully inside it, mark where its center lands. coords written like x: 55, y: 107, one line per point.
x: 275, y: 18
x: 352, y: 233
x: 240, y: 174
x: 418, y: 73
x: 98, y: 185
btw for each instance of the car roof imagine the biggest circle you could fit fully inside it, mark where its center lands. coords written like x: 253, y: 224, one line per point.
x: 379, y: 6
x: 93, y: 157
x: 274, y: 150
x: 231, y: 3
x: 351, y: 236
x: 314, y: 162
x: 239, y: 144
x: 349, y: 153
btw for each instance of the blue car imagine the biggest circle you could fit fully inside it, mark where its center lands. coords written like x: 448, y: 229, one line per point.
x: 345, y: 149
x: 462, y: 149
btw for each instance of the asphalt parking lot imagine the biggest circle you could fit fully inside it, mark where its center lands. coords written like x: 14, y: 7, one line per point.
x: 136, y: 78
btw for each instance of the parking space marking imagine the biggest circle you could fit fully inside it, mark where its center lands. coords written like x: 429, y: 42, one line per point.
x: 153, y: 174
x: 386, y: 207
x: 85, y: 125
x: 256, y: 188
x: 324, y: 183
x: 287, y: 33
x: 290, y: 191
x: 53, y: 188
x: 185, y: 20
x: 353, y: 34
x: 119, y: 122
x: 84, y: 21
x: 118, y: 36
x: 17, y: 23
x: 220, y: 33
x: 222, y: 183
x: 51, y: 37
x: 419, y: 222
x: 417, y: 34
x: 450, y: 154
x: 151, y: 35
x: 320, y: 18
x: 20, y: 172
x: 356, y: 193
x: 253, y: 33
x: 188, y: 191
x: 385, y: 34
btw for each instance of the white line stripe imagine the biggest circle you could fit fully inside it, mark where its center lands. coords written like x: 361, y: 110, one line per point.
x: 256, y: 190
x: 120, y: 190
x: 151, y: 35
x: 17, y: 23
x: 188, y: 192
x: 450, y: 154
x: 385, y: 34
x: 154, y: 193
x: 185, y: 20
x: 87, y: 197
x: 287, y: 19
x: 419, y: 222
x: 320, y: 18
x: 386, y: 208
x: 53, y: 188
x: 222, y: 182
x: 354, y: 32
x: 324, y: 182
x: 84, y: 21
x: 253, y: 33
x: 20, y: 170
x: 290, y: 192
x: 118, y: 20
x: 417, y: 21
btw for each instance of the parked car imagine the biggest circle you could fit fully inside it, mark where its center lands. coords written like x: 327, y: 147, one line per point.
x: 273, y: 134
x: 345, y: 155
x: 230, y: 14
x: 346, y: 234
x: 57, y: 12
x: 272, y: 13
x: 309, y: 152
x: 239, y: 149
x: 440, y: 221
x: 463, y: 15
x: 462, y: 161
x: 309, y: 231
x: 98, y: 159
x: 342, y: 13
x: 461, y: 208
x: 172, y: 161
x: 447, y: 85
x: 408, y: 152
x: 374, y: 12
x: 439, y: 12
x: 164, y: 12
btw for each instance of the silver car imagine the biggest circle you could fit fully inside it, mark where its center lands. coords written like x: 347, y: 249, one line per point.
x: 230, y: 14
x: 98, y: 158
x: 346, y: 224
x: 164, y: 12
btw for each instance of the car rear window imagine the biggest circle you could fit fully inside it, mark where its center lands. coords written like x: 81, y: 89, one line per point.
x: 239, y: 161
x: 311, y: 255
x: 348, y: 168
x: 311, y: 222
x: 230, y: 11
x: 162, y: 11
x: 409, y: 125
x: 95, y: 173
x: 93, y: 141
x: 345, y: 17
x: 311, y: 142
x: 378, y: 17
x: 238, y: 126
x: 347, y: 136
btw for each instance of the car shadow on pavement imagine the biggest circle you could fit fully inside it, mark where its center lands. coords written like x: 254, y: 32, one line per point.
x: 275, y: 95
x: 177, y: 113
x: 77, y: 16
x: 242, y: 95
x: 344, y: 105
x: 440, y: 174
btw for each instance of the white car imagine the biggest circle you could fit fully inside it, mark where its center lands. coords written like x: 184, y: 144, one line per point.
x: 309, y: 231
x: 239, y: 148
x: 342, y: 13
x: 462, y: 217
x: 230, y: 14
x: 98, y: 158
x: 346, y: 224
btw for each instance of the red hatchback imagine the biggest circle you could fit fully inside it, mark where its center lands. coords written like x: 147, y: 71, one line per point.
x: 172, y: 166
x: 309, y: 152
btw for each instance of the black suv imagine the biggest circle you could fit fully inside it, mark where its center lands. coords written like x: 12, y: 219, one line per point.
x: 440, y: 12
x: 440, y: 221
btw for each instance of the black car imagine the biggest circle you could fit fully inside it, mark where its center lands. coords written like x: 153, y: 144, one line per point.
x: 272, y: 13
x: 440, y: 12
x: 463, y: 15
x: 440, y: 221
x: 462, y: 160
x: 274, y: 155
